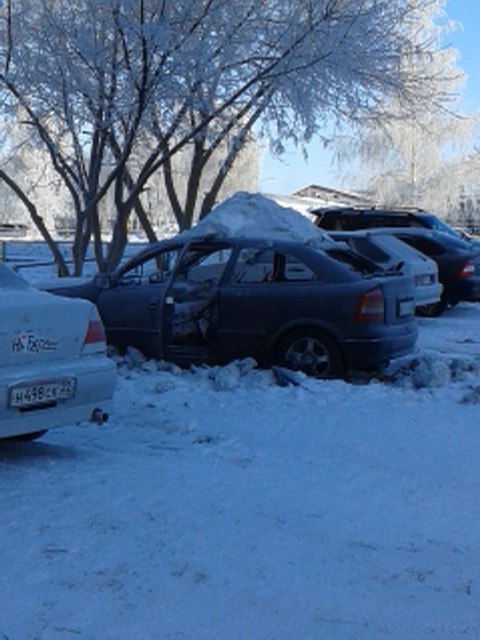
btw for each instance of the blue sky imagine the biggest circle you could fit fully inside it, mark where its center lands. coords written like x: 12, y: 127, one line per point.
x: 292, y: 172
x: 466, y: 40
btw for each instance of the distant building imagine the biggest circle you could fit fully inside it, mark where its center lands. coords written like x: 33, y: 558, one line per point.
x: 314, y: 197
x: 326, y: 197
x: 13, y: 230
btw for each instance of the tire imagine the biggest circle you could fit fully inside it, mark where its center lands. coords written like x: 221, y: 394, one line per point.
x: 431, y: 310
x: 311, y: 351
x: 27, y: 437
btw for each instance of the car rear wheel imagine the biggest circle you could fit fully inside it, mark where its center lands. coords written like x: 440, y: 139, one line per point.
x: 311, y: 351
x: 432, y: 310
x: 27, y: 437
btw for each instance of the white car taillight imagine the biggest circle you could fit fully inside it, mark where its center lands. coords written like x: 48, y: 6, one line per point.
x: 94, y: 340
x: 370, y: 307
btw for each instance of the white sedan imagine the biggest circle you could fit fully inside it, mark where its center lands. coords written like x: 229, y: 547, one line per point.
x: 389, y: 252
x: 54, y: 370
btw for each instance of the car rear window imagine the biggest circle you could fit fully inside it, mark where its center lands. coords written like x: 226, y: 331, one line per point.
x: 368, y: 248
x: 426, y: 245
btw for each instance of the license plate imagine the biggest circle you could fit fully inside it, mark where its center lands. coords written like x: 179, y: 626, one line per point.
x: 405, y: 307
x: 41, y: 393
x: 424, y: 280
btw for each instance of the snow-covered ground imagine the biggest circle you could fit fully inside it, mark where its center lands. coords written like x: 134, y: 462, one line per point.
x: 217, y: 504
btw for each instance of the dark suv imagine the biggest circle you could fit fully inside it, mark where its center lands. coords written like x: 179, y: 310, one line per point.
x: 352, y: 219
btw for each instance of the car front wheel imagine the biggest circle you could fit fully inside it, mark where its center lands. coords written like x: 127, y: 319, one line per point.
x: 311, y: 351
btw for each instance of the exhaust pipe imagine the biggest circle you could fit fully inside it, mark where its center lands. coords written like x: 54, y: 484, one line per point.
x: 99, y: 416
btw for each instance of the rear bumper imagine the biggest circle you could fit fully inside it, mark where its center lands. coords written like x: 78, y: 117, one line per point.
x: 371, y: 352
x: 95, y: 384
x: 467, y: 289
x: 428, y: 294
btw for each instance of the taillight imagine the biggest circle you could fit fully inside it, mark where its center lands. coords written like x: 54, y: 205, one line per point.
x: 370, y: 307
x: 467, y: 270
x: 95, y: 332
x: 94, y: 339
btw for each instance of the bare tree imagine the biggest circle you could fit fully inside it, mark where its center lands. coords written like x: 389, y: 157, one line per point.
x: 105, y: 83
x: 422, y: 161
x: 420, y: 156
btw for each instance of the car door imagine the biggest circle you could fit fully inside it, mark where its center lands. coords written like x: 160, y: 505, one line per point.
x: 266, y: 290
x: 190, y: 306
x: 131, y: 307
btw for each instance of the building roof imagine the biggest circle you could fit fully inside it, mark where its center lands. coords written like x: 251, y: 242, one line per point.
x: 325, y: 196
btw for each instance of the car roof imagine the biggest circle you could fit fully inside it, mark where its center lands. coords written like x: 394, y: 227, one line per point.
x: 213, y: 239
x: 371, y: 231
x: 398, y: 211
x: 419, y: 231
x: 221, y: 240
x: 441, y: 237
x: 380, y: 235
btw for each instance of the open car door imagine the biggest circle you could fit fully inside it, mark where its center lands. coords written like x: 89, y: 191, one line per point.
x: 190, y: 306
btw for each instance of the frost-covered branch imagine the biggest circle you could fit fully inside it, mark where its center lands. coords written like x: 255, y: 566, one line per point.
x: 118, y: 89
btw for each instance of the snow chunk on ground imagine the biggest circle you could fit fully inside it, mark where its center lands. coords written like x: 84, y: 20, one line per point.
x: 252, y: 215
x: 472, y: 396
x: 427, y: 371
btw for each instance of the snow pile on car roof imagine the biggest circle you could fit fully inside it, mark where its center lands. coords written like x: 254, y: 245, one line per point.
x: 253, y: 215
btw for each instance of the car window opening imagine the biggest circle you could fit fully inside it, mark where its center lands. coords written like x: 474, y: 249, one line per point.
x: 266, y: 265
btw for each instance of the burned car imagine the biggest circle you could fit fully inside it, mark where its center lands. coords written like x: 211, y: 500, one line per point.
x: 214, y: 299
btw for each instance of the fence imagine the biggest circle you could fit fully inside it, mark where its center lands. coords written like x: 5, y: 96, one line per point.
x: 24, y: 256
x: 21, y: 255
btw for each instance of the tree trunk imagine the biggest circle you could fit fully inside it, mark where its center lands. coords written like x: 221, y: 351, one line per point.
x: 37, y: 219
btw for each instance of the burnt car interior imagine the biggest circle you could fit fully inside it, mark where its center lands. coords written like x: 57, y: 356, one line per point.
x: 267, y: 265
x: 192, y: 294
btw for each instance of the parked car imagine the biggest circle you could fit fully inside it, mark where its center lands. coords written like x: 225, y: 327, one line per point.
x: 390, y: 253
x: 354, y: 218
x: 458, y: 265
x: 456, y: 257
x: 215, y: 299
x: 53, y: 365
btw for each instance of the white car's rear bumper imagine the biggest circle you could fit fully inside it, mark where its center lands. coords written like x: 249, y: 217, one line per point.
x: 94, y: 376
x: 428, y: 294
